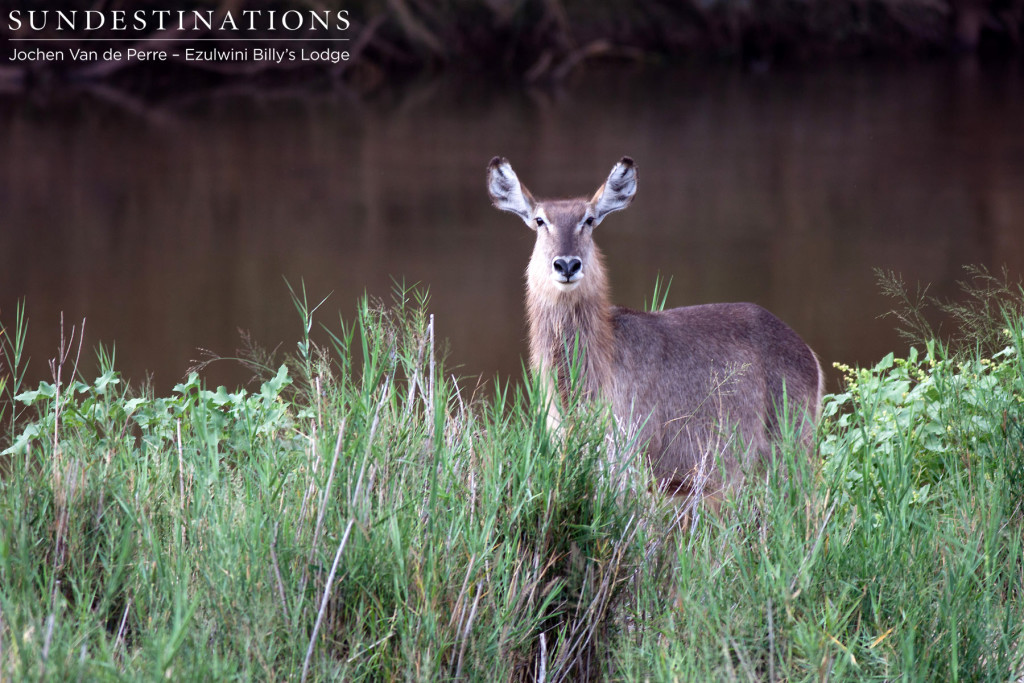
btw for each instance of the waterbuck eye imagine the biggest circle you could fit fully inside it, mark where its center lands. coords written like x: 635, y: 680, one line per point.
x: 590, y: 220
x: 540, y: 221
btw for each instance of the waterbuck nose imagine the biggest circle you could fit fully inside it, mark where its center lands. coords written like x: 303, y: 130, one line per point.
x: 567, y: 267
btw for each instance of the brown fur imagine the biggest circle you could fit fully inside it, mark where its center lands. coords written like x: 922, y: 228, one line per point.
x: 703, y: 385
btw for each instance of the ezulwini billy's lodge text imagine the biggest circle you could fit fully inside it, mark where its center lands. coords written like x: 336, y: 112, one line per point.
x: 190, y: 54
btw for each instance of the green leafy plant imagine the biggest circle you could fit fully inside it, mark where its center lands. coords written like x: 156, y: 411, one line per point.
x: 359, y: 517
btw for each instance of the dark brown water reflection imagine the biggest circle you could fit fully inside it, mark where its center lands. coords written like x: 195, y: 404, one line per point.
x: 169, y: 230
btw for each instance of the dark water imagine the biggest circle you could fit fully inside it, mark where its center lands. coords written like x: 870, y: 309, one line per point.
x: 171, y: 228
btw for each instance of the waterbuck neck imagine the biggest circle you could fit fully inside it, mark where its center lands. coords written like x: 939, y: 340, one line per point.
x: 561, y: 322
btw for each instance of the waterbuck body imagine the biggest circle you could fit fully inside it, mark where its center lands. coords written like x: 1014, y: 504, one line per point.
x: 704, y: 385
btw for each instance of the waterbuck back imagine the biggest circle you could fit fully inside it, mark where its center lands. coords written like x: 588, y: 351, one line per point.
x: 704, y: 385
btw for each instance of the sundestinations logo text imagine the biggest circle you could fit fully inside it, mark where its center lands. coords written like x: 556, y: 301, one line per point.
x: 180, y: 20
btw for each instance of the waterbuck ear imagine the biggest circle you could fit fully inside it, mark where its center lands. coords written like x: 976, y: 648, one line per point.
x: 617, y: 192
x: 507, y: 193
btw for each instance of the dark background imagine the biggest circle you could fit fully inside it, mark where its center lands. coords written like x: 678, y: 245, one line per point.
x: 786, y: 150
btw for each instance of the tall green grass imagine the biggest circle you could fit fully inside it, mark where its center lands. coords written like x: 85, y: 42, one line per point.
x: 360, y: 517
x: 897, y: 557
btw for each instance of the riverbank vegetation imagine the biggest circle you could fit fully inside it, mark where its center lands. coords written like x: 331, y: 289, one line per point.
x: 518, y: 40
x: 359, y: 515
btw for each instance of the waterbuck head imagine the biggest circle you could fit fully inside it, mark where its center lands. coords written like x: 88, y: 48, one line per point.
x: 564, y: 256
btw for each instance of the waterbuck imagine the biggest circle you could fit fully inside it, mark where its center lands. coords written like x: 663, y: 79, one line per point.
x: 703, y: 384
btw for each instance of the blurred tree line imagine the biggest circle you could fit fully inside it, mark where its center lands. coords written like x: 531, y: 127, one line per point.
x: 545, y: 40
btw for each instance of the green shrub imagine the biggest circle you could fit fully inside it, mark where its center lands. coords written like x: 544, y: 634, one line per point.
x: 356, y: 520
x: 361, y: 519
